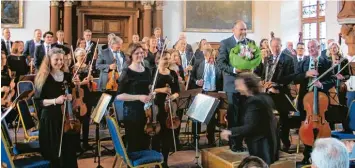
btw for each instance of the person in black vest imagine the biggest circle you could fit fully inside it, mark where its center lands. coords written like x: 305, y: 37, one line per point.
x: 259, y: 124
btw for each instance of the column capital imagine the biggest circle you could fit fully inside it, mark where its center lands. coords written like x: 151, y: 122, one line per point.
x: 68, y: 3
x: 54, y: 3
x: 147, y: 4
x: 159, y: 5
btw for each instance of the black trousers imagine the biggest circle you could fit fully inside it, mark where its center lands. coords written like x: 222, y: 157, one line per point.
x: 261, y: 149
x: 135, y: 138
x: 282, y: 106
x: 235, y: 102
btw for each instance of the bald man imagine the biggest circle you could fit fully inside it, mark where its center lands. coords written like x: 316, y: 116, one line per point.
x: 305, y: 73
x: 289, y: 49
x: 235, y: 100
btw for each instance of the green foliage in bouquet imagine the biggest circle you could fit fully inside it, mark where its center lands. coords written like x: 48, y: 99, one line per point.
x: 245, y: 63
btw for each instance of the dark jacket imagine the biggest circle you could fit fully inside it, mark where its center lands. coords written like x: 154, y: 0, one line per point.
x: 3, y: 47
x: 30, y: 48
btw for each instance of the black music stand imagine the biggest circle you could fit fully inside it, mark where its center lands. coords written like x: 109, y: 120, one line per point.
x: 96, y: 117
x: 184, y: 101
x: 201, y: 110
x: 222, y: 97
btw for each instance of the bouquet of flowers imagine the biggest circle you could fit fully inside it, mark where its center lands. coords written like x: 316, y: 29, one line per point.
x: 245, y: 57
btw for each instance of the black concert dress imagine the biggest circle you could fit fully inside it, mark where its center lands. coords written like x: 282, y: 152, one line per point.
x: 134, y: 83
x: 164, y: 140
x: 51, y: 126
x: 18, y: 64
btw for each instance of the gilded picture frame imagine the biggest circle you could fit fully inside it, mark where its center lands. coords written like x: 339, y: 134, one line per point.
x: 12, y: 14
x: 217, y: 16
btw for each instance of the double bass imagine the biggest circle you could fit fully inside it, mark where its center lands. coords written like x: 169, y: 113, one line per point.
x: 314, y: 126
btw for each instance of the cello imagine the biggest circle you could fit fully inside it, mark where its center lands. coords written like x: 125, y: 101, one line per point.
x: 314, y: 126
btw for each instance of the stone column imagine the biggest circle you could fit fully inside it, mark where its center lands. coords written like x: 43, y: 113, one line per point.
x: 54, y: 17
x: 68, y: 22
x: 346, y: 17
x: 159, y: 15
x: 147, y: 18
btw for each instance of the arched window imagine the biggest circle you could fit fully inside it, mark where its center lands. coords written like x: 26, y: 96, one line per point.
x: 313, y: 21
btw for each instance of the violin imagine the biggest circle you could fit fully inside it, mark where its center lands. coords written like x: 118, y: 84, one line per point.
x: 173, y: 121
x: 71, y: 124
x: 7, y: 98
x: 314, y: 126
x: 113, y: 76
x: 78, y: 104
x: 32, y: 69
x: 92, y: 85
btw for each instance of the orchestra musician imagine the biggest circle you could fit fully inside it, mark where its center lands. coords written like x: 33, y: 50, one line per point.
x: 300, y: 55
x: 305, y: 72
x: 289, y: 49
x: 163, y: 141
x: 90, y: 45
x: 60, y: 38
x: 80, y: 43
x: 152, y: 51
x: 160, y: 40
x: 16, y: 60
x: 277, y: 74
x: 83, y: 71
x: 109, y: 37
x: 334, y: 54
x: 6, y: 85
x: 199, y: 51
x: 30, y: 45
x: 188, y: 47
x: 235, y: 100
x: 175, y: 64
x: 43, y: 49
x: 110, y: 59
x: 135, y: 38
x: 258, y: 123
x: 134, y: 91
x: 50, y: 95
x: 6, y: 43
x: 187, y: 59
x: 207, y: 76
x: 145, y: 61
x: 264, y: 43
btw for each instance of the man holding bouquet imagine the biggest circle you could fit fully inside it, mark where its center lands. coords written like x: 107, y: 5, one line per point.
x: 236, y: 54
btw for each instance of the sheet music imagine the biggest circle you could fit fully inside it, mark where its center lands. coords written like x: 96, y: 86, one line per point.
x: 100, y: 108
x: 202, y: 107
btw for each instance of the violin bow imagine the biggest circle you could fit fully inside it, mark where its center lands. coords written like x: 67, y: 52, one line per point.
x: 188, y: 78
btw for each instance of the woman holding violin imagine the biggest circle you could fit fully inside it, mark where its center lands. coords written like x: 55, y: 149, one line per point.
x: 134, y: 91
x: 83, y: 100
x: 335, y: 55
x: 50, y: 94
x: 167, y: 90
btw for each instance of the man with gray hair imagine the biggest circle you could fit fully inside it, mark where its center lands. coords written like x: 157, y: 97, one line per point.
x: 309, y: 69
x: 110, y: 59
x: 329, y: 153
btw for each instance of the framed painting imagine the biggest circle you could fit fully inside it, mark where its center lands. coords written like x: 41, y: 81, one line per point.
x: 12, y: 14
x: 217, y: 16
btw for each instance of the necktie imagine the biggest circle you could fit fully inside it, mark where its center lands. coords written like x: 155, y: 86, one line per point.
x: 313, y: 66
x: 184, y: 60
x: 209, y: 78
x: 8, y: 47
x: 47, y: 50
x: 299, y: 59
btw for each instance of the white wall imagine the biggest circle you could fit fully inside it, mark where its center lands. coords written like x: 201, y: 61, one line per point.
x: 36, y: 16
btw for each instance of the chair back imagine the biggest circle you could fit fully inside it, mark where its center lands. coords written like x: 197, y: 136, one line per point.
x: 5, y: 154
x: 6, y: 133
x: 117, y: 140
x: 23, y: 86
x: 25, y: 115
x: 118, y: 108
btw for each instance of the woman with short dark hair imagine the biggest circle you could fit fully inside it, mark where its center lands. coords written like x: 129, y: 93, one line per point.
x: 258, y: 124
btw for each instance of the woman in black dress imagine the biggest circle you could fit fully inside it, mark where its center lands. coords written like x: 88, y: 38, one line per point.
x: 258, y: 124
x: 88, y: 99
x: 163, y: 141
x: 6, y: 85
x: 134, y: 91
x: 50, y: 95
x: 152, y: 51
x: 16, y: 60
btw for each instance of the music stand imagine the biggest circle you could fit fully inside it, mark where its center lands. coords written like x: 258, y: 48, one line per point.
x: 96, y: 117
x: 183, y: 102
x: 201, y: 110
x: 22, y: 96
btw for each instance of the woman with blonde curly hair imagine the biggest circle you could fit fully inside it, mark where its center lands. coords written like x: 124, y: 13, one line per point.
x: 50, y: 95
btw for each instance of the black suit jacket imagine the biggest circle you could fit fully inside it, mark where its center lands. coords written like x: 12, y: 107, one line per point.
x: 295, y: 61
x: 3, y: 47
x: 30, y: 48
x: 300, y: 78
x: 92, y: 50
x: 224, y: 65
x: 39, y: 54
x: 198, y: 72
x: 199, y: 56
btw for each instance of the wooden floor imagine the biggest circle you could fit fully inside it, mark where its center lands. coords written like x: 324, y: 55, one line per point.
x: 181, y: 159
